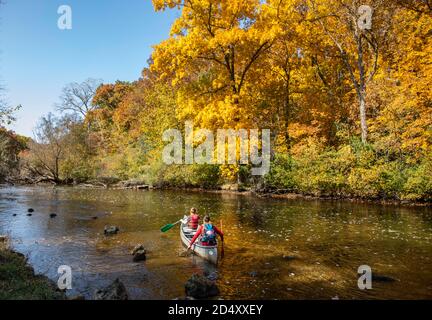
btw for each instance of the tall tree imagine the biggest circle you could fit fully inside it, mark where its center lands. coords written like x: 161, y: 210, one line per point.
x: 214, y: 49
x: 77, y: 97
x: 47, y: 148
x: 6, y: 111
x: 10, y: 147
x: 357, y: 42
x: 403, y: 126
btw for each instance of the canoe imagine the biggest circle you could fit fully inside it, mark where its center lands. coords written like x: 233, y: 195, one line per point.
x: 209, y: 253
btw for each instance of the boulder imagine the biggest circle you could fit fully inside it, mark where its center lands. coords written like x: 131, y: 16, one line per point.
x: 199, y: 287
x: 112, y: 230
x: 29, y: 214
x: 30, y: 210
x: 53, y: 215
x: 139, y: 253
x: 115, y: 291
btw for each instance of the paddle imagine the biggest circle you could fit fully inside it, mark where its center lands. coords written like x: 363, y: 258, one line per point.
x: 169, y: 226
x: 222, y: 249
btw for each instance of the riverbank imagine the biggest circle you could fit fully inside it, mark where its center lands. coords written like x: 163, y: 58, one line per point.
x: 291, y: 196
x: 18, y: 280
x: 235, y: 190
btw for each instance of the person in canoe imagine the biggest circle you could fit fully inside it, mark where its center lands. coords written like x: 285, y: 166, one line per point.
x: 193, y: 219
x: 208, y: 233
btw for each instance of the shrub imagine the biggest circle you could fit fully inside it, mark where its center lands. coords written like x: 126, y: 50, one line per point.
x: 205, y: 176
x: 281, y: 173
x: 419, y: 182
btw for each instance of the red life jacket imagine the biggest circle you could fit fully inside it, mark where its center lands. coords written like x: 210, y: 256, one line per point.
x: 194, y: 221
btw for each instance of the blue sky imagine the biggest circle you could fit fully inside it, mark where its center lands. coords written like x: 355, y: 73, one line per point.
x: 110, y: 40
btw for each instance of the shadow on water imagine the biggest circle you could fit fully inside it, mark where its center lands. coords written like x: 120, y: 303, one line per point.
x: 274, y: 249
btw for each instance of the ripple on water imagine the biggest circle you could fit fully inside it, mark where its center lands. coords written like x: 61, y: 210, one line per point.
x: 327, y: 240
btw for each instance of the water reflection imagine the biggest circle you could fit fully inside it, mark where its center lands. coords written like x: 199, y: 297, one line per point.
x: 275, y: 249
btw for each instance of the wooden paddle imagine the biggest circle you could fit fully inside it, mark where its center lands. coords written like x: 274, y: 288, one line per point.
x: 169, y: 226
x: 222, y: 249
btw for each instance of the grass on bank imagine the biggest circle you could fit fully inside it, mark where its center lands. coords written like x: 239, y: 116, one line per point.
x: 19, y: 282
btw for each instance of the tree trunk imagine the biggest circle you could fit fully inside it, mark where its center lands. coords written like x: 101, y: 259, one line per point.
x: 286, y: 116
x: 363, y: 123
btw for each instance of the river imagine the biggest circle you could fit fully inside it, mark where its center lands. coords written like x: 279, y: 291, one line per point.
x: 274, y: 248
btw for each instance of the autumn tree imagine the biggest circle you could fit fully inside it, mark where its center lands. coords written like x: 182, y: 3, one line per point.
x: 106, y: 101
x: 59, y: 151
x: 47, y: 149
x: 11, y: 145
x: 349, y: 27
x: 130, y: 118
x: 214, y: 49
x: 403, y: 126
x: 419, y: 6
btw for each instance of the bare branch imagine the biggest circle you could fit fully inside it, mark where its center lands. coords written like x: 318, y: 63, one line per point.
x: 77, y: 97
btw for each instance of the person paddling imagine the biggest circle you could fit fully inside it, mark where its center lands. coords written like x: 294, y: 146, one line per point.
x: 193, y: 219
x: 208, y: 233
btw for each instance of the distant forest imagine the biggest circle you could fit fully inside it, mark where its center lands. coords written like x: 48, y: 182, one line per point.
x: 348, y: 102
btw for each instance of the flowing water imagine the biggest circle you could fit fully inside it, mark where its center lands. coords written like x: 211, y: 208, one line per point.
x: 274, y: 248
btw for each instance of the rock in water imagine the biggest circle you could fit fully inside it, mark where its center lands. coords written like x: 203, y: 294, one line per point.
x: 137, y: 248
x: 288, y: 258
x: 382, y: 278
x: 139, y: 253
x: 109, y: 231
x: 53, y: 215
x: 199, y: 287
x: 140, y: 256
x: 115, y: 291
x: 253, y: 274
x: 30, y: 210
